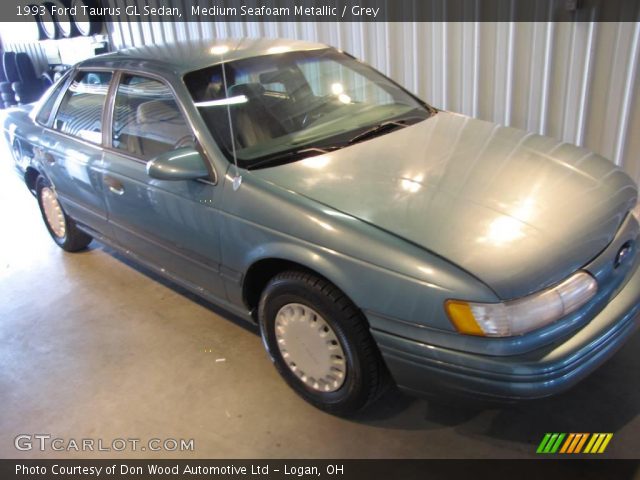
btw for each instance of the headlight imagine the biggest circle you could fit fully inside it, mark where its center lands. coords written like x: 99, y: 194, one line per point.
x: 523, y: 315
x: 636, y: 211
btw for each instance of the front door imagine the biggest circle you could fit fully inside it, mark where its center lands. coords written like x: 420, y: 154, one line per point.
x: 173, y: 225
x: 72, y: 151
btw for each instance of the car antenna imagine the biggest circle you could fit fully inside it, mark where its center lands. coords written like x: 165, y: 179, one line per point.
x: 237, y: 179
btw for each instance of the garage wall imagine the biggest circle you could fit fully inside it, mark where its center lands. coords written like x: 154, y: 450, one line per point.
x: 35, y: 50
x: 22, y: 37
x: 577, y: 82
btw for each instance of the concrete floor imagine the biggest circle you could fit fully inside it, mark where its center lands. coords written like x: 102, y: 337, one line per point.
x: 92, y: 346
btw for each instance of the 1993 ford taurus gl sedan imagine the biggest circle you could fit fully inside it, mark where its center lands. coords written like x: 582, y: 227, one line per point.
x: 372, y: 237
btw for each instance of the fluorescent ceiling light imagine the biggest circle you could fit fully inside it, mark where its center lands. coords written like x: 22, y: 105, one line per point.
x: 223, y: 101
x: 279, y: 49
x: 219, y: 49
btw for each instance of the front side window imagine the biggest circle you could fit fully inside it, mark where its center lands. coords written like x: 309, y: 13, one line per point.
x: 147, y: 120
x: 293, y: 102
x: 80, y: 112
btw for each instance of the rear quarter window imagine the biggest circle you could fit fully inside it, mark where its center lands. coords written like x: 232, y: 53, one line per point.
x: 49, y: 99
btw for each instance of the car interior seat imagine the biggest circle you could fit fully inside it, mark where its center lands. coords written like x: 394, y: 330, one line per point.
x: 253, y: 121
x: 158, y: 124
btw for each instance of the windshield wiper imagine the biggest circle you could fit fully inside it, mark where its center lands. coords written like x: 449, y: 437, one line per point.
x: 291, y: 155
x: 376, y: 130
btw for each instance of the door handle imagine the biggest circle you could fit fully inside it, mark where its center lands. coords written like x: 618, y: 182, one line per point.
x: 115, y: 186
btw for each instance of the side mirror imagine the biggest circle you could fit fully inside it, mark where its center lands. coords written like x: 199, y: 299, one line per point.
x: 182, y: 164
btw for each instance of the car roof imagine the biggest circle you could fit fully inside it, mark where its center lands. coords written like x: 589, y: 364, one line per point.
x: 194, y: 55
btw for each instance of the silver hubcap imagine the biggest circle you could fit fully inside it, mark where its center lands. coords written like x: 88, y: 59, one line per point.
x: 53, y: 212
x: 310, y: 348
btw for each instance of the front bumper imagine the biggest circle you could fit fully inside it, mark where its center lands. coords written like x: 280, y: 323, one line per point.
x: 423, y: 369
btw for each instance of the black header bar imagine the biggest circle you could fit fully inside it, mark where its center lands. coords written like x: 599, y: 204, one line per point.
x: 336, y: 10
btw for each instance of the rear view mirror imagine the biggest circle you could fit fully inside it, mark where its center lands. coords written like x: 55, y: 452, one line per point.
x: 182, y: 164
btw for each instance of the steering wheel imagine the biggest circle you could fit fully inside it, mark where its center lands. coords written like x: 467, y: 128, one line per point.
x: 313, y: 114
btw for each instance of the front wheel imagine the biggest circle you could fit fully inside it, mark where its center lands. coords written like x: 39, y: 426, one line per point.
x: 320, y: 343
x: 61, y: 227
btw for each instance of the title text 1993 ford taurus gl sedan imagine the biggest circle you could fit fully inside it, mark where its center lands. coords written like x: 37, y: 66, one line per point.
x: 371, y: 236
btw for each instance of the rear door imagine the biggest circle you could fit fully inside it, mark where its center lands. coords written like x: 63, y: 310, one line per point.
x: 71, y: 148
x: 174, y: 225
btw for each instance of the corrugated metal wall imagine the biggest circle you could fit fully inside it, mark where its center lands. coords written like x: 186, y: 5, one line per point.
x: 574, y: 81
x: 70, y: 50
x: 35, y: 50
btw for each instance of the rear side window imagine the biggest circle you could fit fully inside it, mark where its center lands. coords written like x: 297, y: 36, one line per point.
x: 147, y: 120
x: 80, y: 112
x: 51, y: 97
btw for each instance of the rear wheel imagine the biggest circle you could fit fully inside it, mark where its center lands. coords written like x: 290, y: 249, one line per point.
x: 61, y: 227
x: 320, y: 343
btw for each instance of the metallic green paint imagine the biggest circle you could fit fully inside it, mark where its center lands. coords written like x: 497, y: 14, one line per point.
x: 518, y: 210
x: 448, y: 208
x: 182, y: 164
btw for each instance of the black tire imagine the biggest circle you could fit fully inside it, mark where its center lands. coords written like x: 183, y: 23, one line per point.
x: 366, y: 375
x: 64, y: 21
x: 47, y: 23
x: 73, y: 239
x: 9, y: 98
x: 86, y: 25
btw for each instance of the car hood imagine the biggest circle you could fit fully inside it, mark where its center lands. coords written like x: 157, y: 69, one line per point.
x: 517, y: 210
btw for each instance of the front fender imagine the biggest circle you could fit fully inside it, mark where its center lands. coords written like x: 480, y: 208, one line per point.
x: 386, y: 277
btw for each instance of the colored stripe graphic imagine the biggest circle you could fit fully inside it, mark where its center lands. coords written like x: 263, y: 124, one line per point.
x: 547, y: 448
x: 556, y: 445
x: 604, y: 445
x: 591, y: 442
x: 574, y: 443
x: 598, y: 443
x: 567, y: 443
x: 550, y: 443
x: 581, y: 443
x: 543, y: 443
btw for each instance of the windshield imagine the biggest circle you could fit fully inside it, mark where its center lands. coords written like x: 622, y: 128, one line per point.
x: 290, y: 102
